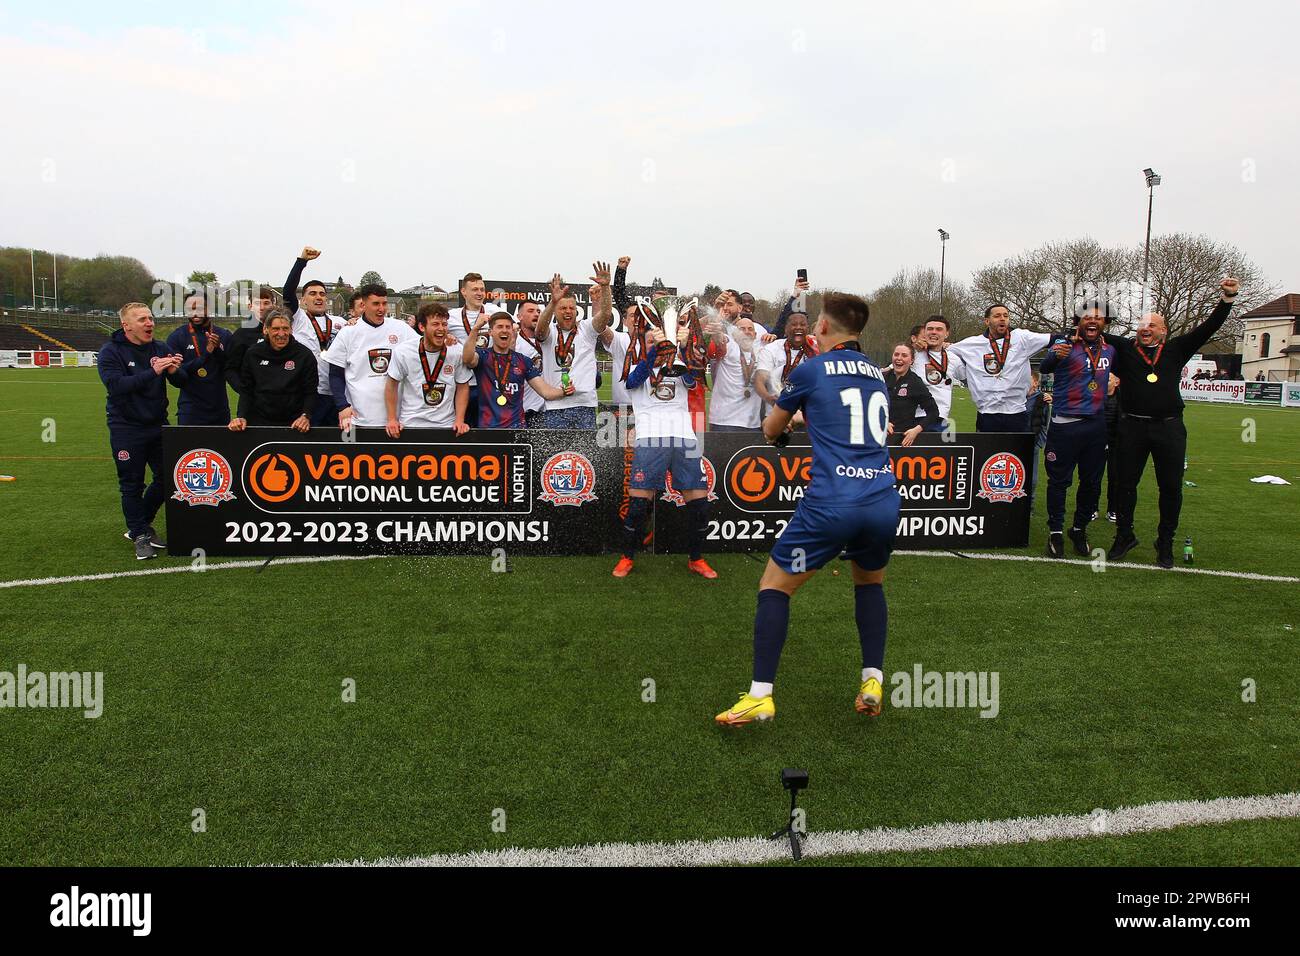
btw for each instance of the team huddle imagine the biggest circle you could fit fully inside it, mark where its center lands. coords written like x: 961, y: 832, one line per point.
x: 679, y: 369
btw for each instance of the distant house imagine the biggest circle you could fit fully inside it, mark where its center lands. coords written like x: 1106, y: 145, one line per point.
x: 1270, y: 340
x: 424, y: 292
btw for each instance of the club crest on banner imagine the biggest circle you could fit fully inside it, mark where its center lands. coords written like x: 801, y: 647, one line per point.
x: 1002, y: 478
x: 203, y: 477
x: 673, y: 495
x: 568, y: 478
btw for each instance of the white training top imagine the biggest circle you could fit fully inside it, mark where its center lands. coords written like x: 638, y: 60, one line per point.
x: 364, y: 352
x: 533, y: 402
x: 618, y: 347
x: 421, y: 406
x: 938, y: 378
x: 460, y: 322
x: 733, y: 375
x: 305, y: 331
x: 581, y: 362
x: 994, y: 390
x: 661, y: 409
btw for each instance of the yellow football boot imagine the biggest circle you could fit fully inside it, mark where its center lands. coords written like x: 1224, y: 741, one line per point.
x: 748, y: 710
x: 869, y: 697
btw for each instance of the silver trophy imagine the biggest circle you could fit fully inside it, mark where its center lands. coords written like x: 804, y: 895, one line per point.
x: 663, y: 313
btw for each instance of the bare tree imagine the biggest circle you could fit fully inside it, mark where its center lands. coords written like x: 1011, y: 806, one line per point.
x: 908, y: 299
x: 1184, y: 278
x: 1044, y: 287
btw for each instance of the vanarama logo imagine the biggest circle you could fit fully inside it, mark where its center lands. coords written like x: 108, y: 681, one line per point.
x: 311, y: 478
x: 762, y: 479
x: 934, y: 478
x: 202, y: 477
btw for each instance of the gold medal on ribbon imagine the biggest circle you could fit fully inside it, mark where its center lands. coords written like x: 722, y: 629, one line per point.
x: 501, y: 399
x: 1153, y: 377
x: 203, y: 373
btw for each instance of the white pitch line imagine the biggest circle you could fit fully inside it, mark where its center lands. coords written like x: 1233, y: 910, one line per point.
x: 984, y: 556
x: 188, y: 568
x: 1147, y: 818
x: 185, y: 569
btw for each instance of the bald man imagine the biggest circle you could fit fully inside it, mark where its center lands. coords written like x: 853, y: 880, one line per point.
x: 1151, y: 419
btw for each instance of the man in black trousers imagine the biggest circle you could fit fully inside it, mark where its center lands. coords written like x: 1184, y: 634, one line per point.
x: 1151, y: 419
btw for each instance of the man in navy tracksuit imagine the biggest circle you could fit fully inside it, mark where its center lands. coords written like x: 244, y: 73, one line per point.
x: 1077, y: 438
x: 135, y: 370
x: 202, y: 346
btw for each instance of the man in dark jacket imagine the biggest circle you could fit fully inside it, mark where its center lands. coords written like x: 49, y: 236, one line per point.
x: 135, y: 370
x: 278, y: 381
x: 202, y: 346
x: 907, y: 394
x: 1151, y: 419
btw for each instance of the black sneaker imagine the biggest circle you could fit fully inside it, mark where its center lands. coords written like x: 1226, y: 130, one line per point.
x: 1110, y: 516
x: 1055, y: 545
x: 1080, y: 538
x: 154, y: 538
x: 143, y: 549
x: 1164, y: 553
x: 1124, y: 543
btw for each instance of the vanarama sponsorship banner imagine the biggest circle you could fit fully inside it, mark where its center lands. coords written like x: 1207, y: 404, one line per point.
x: 968, y: 493
x: 1212, y: 390
x: 272, y: 491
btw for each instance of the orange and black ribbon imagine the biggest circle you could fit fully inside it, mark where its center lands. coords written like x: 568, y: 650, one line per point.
x: 931, y: 363
x: 1152, y: 362
x: 1000, y: 358
x: 499, y: 373
x: 431, y: 377
x: 323, y: 334
x: 563, y: 348
x: 635, y: 348
x: 1093, y: 360
x: 790, y: 365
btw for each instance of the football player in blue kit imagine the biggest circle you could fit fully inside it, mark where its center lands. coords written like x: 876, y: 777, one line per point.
x: 850, y: 506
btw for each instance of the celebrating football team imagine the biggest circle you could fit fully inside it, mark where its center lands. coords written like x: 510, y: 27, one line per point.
x: 680, y: 369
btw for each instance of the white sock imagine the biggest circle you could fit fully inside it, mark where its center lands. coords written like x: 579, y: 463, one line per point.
x: 759, y: 690
x: 870, y: 672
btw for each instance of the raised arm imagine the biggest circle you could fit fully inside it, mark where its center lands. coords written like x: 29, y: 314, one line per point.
x: 1192, y: 341
x: 295, y: 276
x: 601, y: 311
x: 619, y: 288
x: 558, y: 290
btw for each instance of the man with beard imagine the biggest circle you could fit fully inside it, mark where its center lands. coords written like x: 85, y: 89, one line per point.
x: 736, y: 405
x: 247, y: 335
x: 278, y: 379
x: 428, y: 385
x: 1151, y: 419
x: 939, y: 367
x: 776, y: 360
x: 503, y: 372
x: 316, y: 329
x: 1077, y: 437
x: 997, y: 371
x: 359, y: 360
x: 203, y: 399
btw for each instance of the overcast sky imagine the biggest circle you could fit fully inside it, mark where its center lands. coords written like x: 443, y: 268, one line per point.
x: 728, y: 143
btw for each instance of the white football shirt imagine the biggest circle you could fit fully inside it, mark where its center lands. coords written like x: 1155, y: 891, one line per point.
x: 307, y: 331
x: 580, y: 343
x: 364, y: 352
x: 733, y: 375
x: 461, y: 321
x: 1000, y: 390
x: 422, y: 404
x: 532, y: 401
x: 939, y: 376
x: 661, y: 409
